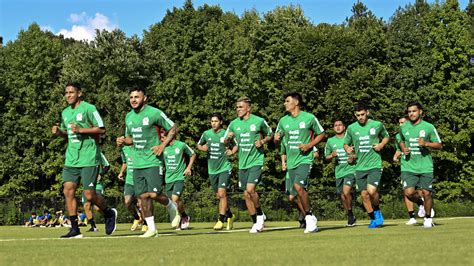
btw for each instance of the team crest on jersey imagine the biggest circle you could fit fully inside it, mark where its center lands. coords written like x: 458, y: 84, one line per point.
x: 372, y: 131
x: 302, y: 124
x: 176, y: 150
x: 238, y: 128
x: 222, y: 140
x: 79, y: 117
x: 253, y: 127
x: 146, y: 121
x: 422, y: 134
x: 287, y: 126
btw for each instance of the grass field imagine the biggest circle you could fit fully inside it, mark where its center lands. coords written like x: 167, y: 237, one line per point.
x: 451, y: 242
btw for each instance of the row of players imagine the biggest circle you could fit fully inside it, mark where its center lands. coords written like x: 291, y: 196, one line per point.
x: 356, y: 152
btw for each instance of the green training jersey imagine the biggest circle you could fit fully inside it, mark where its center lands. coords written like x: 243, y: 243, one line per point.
x: 217, y: 161
x: 296, y: 131
x: 174, y: 160
x: 419, y: 160
x: 343, y: 168
x: 126, y: 155
x: 82, y: 149
x: 144, y: 128
x: 363, y: 137
x: 103, y: 163
x: 247, y: 132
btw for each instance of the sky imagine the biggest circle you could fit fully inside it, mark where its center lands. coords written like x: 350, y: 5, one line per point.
x: 78, y: 19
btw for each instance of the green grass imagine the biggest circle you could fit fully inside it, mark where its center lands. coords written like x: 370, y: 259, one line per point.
x: 449, y: 243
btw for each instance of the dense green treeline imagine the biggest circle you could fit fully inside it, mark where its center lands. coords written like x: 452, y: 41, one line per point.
x: 198, y: 60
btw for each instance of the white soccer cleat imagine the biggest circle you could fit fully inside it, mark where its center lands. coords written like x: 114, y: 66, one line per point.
x: 311, y: 224
x: 260, y: 222
x: 421, y: 211
x: 176, y: 221
x: 172, y: 211
x: 254, y: 229
x: 149, y: 233
x: 432, y: 213
x: 412, y: 221
x: 428, y: 223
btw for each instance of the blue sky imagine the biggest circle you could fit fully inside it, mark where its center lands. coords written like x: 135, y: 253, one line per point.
x: 79, y: 18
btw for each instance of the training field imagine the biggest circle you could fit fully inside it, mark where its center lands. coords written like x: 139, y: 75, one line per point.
x: 449, y: 243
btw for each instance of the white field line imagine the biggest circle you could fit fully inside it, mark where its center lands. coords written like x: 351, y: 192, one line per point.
x: 267, y: 229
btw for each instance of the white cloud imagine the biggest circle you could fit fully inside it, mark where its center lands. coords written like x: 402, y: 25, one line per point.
x: 84, y: 26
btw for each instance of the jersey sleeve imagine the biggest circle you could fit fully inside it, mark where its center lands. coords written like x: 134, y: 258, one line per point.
x: 434, y: 137
x: 127, y: 129
x: 282, y: 148
x: 316, y: 126
x: 230, y: 129
x: 94, y: 117
x: 327, y: 148
x: 163, y: 121
x: 62, y: 126
x: 398, y: 139
x: 348, y: 136
x: 279, y: 129
x: 383, y: 131
x: 188, y: 149
x: 103, y: 160
x: 202, y: 140
x: 265, y: 128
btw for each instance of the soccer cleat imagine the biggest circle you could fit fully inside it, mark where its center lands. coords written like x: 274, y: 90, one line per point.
x: 379, y: 217
x: 111, y: 222
x: 144, y: 228
x: 311, y: 224
x: 373, y: 224
x: 428, y: 223
x: 412, y: 221
x: 219, y: 225
x: 421, y: 211
x: 230, y: 223
x: 93, y: 229
x: 173, y: 212
x: 150, y: 234
x: 351, y: 221
x: 72, y: 234
x: 135, y: 225
x: 260, y: 222
x: 254, y: 229
x: 185, y: 222
x: 176, y: 221
x: 432, y: 213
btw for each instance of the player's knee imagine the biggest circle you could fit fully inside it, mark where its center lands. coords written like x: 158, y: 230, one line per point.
x: 221, y: 194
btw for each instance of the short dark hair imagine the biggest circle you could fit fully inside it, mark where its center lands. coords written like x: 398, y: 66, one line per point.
x: 74, y: 84
x: 218, y: 115
x: 360, y: 106
x: 294, y: 95
x: 137, y: 88
x: 417, y: 104
x: 339, y: 119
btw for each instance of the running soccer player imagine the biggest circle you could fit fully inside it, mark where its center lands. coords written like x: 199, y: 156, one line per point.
x: 218, y: 167
x: 130, y: 199
x: 362, y: 143
x: 175, y: 173
x: 344, y: 172
x: 142, y: 126
x: 251, y: 132
x: 81, y: 124
x: 295, y: 129
x: 417, y: 139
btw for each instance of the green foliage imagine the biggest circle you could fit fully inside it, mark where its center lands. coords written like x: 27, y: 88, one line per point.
x: 198, y: 60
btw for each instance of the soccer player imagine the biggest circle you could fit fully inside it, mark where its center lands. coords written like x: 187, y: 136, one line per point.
x: 250, y: 132
x: 417, y: 139
x: 128, y: 189
x: 81, y: 124
x: 295, y: 129
x: 362, y: 143
x: 344, y: 172
x: 218, y: 167
x: 175, y: 173
x: 143, y: 124
x: 99, y: 189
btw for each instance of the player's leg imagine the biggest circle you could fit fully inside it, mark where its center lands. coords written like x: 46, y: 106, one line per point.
x: 71, y: 178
